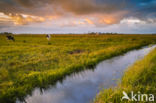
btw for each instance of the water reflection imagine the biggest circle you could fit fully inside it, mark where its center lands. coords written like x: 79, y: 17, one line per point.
x: 83, y: 86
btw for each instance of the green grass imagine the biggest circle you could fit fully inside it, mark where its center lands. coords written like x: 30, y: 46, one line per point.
x: 140, y: 77
x: 32, y: 61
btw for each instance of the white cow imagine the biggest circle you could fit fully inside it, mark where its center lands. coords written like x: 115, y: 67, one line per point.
x: 48, y: 36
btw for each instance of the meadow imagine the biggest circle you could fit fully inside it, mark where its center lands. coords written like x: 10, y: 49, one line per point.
x: 33, y: 61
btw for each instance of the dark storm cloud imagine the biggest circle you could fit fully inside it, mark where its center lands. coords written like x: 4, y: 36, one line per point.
x: 78, y: 6
x: 31, y: 7
x: 142, y: 9
x: 47, y: 7
x: 26, y: 3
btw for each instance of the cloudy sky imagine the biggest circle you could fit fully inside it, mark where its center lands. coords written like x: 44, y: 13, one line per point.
x: 78, y: 16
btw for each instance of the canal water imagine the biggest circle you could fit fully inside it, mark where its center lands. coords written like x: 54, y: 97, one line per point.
x: 82, y: 87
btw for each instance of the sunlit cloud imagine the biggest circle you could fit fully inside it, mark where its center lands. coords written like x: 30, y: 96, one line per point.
x: 89, y: 21
x: 19, y: 19
x: 75, y: 13
x: 109, y: 20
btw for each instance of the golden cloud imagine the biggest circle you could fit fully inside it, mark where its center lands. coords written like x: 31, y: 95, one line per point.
x: 89, y: 21
x: 21, y: 19
x: 43, y: 10
x: 108, y: 20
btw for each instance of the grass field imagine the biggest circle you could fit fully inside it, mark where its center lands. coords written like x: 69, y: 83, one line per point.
x: 139, y: 78
x: 32, y: 61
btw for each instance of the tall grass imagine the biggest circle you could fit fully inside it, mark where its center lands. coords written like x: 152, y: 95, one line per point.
x: 140, y: 77
x: 32, y: 61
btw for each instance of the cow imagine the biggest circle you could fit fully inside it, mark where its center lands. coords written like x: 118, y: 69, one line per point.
x: 9, y: 37
x: 48, y: 36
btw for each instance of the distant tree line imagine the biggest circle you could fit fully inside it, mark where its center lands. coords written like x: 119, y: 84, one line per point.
x: 100, y: 33
x: 6, y: 33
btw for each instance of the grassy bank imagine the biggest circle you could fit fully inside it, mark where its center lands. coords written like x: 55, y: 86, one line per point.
x: 32, y: 61
x: 139, y: 78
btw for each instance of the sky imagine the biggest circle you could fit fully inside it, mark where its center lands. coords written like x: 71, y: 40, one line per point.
x: 78, y: 16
